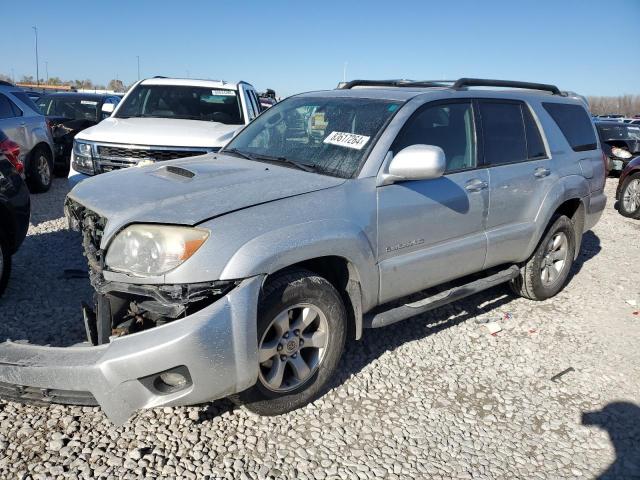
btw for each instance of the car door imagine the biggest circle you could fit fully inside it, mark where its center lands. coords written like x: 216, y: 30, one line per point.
x: 521, y: 175
x: 12, y: 122
x: 432, y: 231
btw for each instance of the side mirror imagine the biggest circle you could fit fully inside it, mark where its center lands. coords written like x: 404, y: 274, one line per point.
x: 108, y: 108
x: 417, y: 162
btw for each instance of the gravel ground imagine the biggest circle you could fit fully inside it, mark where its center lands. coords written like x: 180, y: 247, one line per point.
x: 432, y: 397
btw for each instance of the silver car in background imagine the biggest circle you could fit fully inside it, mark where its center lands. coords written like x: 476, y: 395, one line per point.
x: 244, y: 272
x: 22, y: 121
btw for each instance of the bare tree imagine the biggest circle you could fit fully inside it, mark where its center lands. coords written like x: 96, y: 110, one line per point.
x: 627, y: 105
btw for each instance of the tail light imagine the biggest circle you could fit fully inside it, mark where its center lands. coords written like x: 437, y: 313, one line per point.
x: 12, y: 152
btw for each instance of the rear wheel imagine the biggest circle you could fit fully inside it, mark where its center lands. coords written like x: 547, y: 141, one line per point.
x: 40, y: 168
x: 301, y: 336
x: 629, y: 204
x: 546, y: 272
x: 5, y: 263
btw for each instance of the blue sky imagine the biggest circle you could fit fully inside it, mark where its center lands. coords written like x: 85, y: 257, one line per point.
x: 588, y: 46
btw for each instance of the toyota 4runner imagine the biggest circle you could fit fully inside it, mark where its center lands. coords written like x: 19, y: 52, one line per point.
x: 242, y: 273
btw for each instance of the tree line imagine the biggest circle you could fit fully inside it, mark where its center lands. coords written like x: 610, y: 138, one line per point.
x: 116, y: 85
x: 627, y: 105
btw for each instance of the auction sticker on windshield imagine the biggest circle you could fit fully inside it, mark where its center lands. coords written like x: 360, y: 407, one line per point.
x: 226, y: 93
x: 88, y: 102
x: 348, y: 140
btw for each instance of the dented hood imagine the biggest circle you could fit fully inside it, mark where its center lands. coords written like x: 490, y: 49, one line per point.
x: 167, y: 132
x: 192, y: 190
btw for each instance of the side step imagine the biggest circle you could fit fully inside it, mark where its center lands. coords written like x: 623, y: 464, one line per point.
x: 396, y: 314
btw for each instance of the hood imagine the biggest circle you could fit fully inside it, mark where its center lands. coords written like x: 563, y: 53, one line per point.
x: 190, y: 191
x: 165, y: 132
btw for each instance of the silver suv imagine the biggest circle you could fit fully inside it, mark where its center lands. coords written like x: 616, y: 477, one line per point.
x: 243, y: 273
x: 23, y: 123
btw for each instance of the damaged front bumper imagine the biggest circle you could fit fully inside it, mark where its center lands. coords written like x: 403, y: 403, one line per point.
x: 214, y: 350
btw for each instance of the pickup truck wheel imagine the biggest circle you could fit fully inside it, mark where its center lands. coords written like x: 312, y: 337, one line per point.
x: 301, y: 336
x: 40, y: 168
x: 546, y: 272
x: 5, y: 264
x: 629, y: 205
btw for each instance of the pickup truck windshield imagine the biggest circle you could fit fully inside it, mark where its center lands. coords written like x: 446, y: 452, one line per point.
x: 182, y: 102
x: 329, y: 135
x: 70, y: 107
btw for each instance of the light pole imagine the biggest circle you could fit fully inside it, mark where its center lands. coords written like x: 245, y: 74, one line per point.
x: 46, y: 66
x: 138, y: 57
x: 35, y: 29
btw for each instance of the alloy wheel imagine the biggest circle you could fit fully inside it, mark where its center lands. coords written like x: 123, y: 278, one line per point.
x: 554, y: 259
x: 631, y: 196
x: 44, y: 172
x: 292, y: 347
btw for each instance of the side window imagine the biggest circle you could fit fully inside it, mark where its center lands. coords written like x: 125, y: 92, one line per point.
x: 575, y: 124
x: 448, y: 126
x: 535, y: 145
x: 254, y: 100
x: 503, y: 132
x: 6, y: 111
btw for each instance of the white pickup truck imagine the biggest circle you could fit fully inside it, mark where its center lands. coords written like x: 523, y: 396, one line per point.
x: 164, y: 119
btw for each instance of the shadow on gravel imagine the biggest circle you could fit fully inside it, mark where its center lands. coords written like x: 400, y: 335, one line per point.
x: 621, y: 420
x: 49, y: 205
x: 590, y: 248
x: 359, y: 354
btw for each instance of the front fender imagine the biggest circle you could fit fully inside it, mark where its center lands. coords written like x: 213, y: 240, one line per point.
x: 277, y: 249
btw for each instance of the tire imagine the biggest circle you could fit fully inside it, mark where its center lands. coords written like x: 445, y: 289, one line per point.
x: 5, y: 263
x: 629, y: 198
x: 543, y: 276
x: 286, y: 300
x: 40, y: 170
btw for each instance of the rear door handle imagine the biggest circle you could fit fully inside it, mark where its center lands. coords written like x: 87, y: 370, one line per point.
x: 541, y: 172
x: 475, y: 185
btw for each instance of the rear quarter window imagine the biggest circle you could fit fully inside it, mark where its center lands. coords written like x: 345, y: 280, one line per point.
x: 575, y: 124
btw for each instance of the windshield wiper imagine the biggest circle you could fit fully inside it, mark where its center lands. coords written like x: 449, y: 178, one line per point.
x: 238, y: 153
x: 299, y: 165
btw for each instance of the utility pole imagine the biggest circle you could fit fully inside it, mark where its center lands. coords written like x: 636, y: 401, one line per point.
x: 35, y: 29
x: 13, y: 77
x: 46, y: 66
x: 138, y: 57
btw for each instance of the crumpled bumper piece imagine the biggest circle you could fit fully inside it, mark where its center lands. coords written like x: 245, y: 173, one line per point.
x: 218, y: 346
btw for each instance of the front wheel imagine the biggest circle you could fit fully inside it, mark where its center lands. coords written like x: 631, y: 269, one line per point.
x: 546, y: 272
x: 302, y: 326
x: 629, y: 204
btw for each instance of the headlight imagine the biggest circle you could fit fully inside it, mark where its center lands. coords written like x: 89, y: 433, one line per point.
x: 620, y: 152
x: 81, y: 157
x: 147, y: 250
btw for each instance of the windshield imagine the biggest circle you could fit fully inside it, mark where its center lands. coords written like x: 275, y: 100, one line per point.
x: 76, y: 108
x: 619, y: 132
x: 332, y: 135
x: 182, y: 102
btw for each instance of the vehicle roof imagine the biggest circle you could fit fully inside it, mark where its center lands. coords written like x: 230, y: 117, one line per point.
x: 192, y: 82
x: 95, y: 96
x: 407, y: 93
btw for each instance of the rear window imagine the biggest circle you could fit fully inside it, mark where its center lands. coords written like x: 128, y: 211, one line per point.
x: 575, y: 124
x: 24, y: 98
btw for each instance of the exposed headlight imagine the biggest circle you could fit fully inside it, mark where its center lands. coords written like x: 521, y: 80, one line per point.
x: 147, y: 250
x: 620, y: 152
x: 81, y: 157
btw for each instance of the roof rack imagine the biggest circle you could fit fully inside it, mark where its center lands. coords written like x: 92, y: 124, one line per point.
x: 482, y: 82
x: 394, y: 83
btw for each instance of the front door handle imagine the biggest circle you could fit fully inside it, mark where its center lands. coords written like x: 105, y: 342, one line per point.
x: 541, y: 172
x: 475, y: 185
